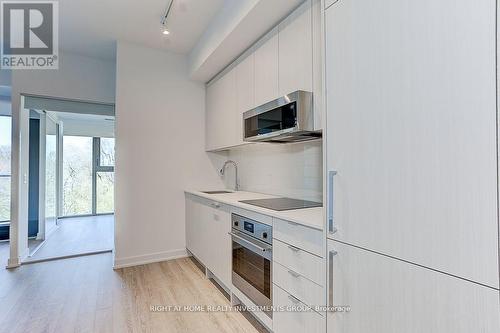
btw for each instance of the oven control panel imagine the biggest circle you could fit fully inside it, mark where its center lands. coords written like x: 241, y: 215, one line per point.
x: 253, y: 228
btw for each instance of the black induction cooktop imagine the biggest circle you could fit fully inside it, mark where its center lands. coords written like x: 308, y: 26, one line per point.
x: 281, y: 204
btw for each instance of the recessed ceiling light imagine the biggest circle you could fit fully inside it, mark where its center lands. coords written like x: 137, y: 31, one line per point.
x: 165, y: 31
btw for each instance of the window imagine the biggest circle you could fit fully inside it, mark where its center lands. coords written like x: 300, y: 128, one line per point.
x: 104, y: 174
x: 77, y: 175
x: 5, y: 155
x: 88, y: 175
x: 105, y: 192
x: 107, y: 152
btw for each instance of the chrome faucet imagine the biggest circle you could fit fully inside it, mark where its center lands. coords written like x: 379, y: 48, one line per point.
x: 222, y: 170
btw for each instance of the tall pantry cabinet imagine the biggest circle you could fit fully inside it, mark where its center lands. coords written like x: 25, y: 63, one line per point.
x: 411, y: 148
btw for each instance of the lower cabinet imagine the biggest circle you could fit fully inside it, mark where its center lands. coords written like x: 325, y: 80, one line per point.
x: 207, y: 226
x: 219, y: 249
x: 388, y: 295
x: 293, y: 315
x: 298, y: 278
x: 195, y: 228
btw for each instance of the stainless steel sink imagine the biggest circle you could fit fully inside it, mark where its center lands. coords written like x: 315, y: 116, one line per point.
x: 216, y: 192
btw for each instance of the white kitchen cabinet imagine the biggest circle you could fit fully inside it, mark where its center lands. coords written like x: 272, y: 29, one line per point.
x: 301, y: 236
x: 286, y: 59
x: 207, y: 238
x: 388, y: 295
x: 298, y: 277
x: 196, y: 227
x: 219, y: 262
x: 266, y: 69
x: 212, y: 135
x: 299, y: 286
x: 318, y: 52
x: 295, y: 51
x: 192, y: 221
x: 412, y: 135
x: 298, y: 321
x: 245, y: 92
x: 299, y: 261
x: 221, y: 115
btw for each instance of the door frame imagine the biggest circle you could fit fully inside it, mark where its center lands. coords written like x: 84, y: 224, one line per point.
x: 20, y: 148
x: 42, y: 229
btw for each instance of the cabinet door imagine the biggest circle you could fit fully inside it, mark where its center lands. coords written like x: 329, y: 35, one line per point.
x: 412, y: 131
x: 245, y: 92
x: 318, y: 52
x: 295, y: 51
x: 203, y: 235
x: 388, y: 295
x: 196, y: 226
x: 220, y: 245
x: 191, y: 225
x: 221, y: 112
x: 211, y: 134
x: 266, y: 69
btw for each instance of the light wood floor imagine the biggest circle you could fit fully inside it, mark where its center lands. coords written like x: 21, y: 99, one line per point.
x: 85, y: 295
x: 78, y: 235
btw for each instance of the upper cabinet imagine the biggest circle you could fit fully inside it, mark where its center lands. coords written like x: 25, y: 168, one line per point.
x: 266, y: 69
x: 412, y: 132
x: 295, y: 52
x: 221, y: 112
x: 286, y: 59
x: 245, y: 92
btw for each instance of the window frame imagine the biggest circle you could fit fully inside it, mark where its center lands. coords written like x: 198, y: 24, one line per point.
x: 97, y: 167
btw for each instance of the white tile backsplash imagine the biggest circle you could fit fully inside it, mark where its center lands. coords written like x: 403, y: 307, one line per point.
x: 291, y: 170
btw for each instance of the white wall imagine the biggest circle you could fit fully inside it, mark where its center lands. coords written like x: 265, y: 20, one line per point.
x: 159, y: 153
x: 292, y: 170
x: 78, y: 77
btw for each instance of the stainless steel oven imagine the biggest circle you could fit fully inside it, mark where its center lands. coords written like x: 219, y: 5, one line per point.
x: 252, y: 260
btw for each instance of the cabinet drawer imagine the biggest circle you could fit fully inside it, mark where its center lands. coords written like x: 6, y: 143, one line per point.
x: 297, y: 285
x: 299, y: 261
x: 287, y: 321
x: 303, y: 237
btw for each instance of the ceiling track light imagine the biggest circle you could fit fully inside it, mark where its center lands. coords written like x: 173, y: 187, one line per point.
x: 165, y: 17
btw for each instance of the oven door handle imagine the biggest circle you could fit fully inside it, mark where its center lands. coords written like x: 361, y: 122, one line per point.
x: 250, y: 244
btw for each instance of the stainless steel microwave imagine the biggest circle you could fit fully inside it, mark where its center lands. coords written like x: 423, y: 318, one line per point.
x: 289, y: 118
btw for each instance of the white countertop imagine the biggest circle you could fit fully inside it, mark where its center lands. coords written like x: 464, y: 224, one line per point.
x: 310, y: 217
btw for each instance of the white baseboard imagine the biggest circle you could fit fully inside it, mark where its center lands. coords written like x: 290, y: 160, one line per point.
x: 149, y: 258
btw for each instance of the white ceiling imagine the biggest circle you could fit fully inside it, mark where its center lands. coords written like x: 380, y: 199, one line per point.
x: 91, y: 27
x: 85, y: 124
x: 66, y: 116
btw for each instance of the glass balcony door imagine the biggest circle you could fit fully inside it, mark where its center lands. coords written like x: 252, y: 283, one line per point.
x: 50, y: 174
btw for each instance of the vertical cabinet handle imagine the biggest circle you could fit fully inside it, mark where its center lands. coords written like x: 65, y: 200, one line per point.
x: 331, y: 223
x: 331, y: 254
